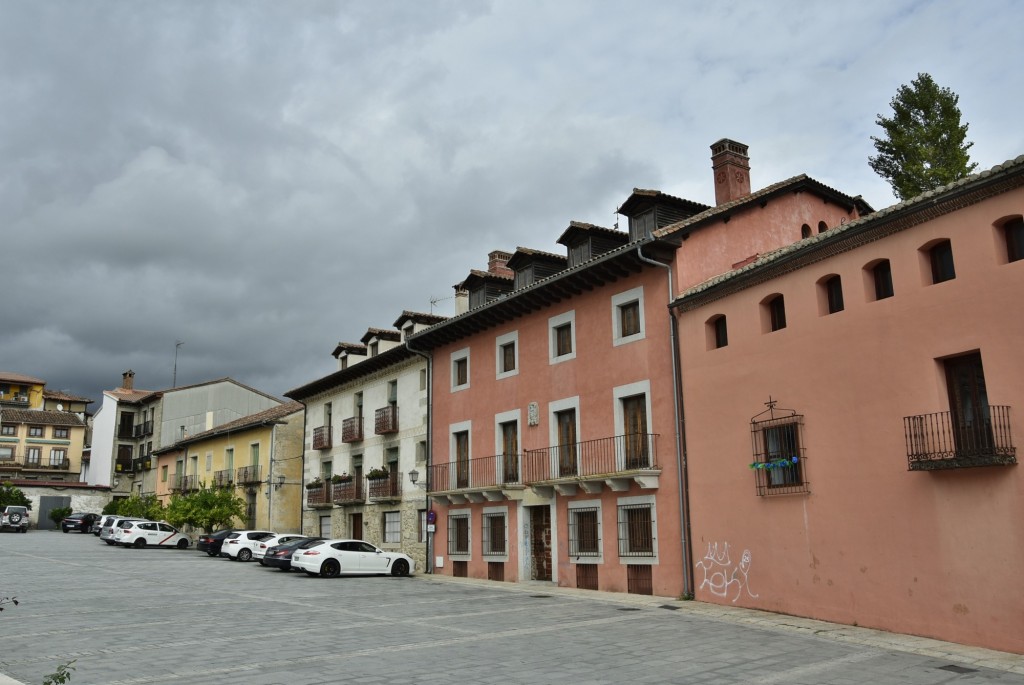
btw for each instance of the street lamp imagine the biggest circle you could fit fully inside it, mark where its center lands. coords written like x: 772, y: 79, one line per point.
x: 414, y: 476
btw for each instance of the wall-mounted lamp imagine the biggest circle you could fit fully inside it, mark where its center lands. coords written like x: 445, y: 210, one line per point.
x: 279, y: 483
x: 414, y: 476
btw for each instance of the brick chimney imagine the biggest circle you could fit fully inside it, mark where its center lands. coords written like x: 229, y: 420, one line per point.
x: 127, y: 379
x: 731, y: 167
x: 496, y: 262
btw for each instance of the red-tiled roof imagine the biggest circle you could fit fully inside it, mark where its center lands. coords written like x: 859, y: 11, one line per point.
x: 12, y: 377
x: 42, y: 418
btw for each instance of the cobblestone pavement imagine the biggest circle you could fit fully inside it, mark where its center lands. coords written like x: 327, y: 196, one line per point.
x: 164, y: 616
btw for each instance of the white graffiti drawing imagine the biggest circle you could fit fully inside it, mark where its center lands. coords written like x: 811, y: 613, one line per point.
x: 720, y: 575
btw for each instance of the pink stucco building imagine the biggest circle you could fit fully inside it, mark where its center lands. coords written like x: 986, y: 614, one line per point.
x: 851, y: 405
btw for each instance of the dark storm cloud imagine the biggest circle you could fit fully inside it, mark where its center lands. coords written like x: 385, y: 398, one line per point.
x: 264, y: 179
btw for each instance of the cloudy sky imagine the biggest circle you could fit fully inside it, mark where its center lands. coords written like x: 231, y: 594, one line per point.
x: 262, y: 180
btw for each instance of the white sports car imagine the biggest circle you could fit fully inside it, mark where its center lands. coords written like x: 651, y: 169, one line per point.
x: 332, y: 558
x: 150, y: 533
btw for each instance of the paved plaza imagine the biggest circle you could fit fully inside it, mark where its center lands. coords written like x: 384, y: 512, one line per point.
x: 134, y: 617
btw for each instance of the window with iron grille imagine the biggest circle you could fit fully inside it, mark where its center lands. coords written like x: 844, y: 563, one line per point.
x: 391, y: 523
x: 636, y: 530
x: 779, y: 461
x: 584, y: 532
x: 458, y: 534
x: 494, y: 542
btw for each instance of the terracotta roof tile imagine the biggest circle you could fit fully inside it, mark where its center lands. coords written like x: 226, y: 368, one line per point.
x: 46, y: 417
x: 12, y: 377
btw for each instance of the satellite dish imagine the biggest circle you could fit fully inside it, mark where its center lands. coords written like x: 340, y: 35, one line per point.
x: 60, y: 407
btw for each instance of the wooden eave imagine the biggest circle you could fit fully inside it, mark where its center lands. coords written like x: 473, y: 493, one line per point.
x: 606, y: 268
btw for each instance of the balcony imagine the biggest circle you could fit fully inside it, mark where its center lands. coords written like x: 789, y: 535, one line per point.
x: 385, y: 420
x: 351, y: 492
x: 248, y: 474
x: 184, y: 484
x: 142, y: 430
x: 385, y: 489
x: 317, y: 497
x: 123, y: 465
x: 33, y: 464
x: 352, y: 429
x: 322, y: 438
x: 126, y: 432
x: 488, y: 478
x: 14, y: 400
x: 224, y: 478
x: 944, y: 441
x: 615, y: 462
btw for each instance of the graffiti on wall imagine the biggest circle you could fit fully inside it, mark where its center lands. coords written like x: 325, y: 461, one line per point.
x: 721, y: 576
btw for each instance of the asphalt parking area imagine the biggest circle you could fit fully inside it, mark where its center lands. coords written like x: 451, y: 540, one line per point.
x: 130, y: 617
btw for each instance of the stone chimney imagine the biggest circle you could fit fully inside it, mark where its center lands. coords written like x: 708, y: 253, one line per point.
x: 496, y: 262
x: 731, y: 167
x: 127, y: 379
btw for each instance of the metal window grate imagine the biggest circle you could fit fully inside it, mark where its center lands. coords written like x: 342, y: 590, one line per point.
x: 494, y: 535
x: 636, y: 530
x: 584, y: 533
x: 458, y: 534
x: 779, y: 463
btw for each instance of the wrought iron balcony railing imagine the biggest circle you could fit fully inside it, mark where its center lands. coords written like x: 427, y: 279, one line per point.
x: 387, y: 488
x: 126, y: 432
x: 497, y: 471
x: 223, y: 478
x: 944, y: 440
x: 385, y: 420
x: 248, y: 474
x: 352, y: 429
x: 322, y: 438
x: 124, y: 465
x: 351, y: 492
x: 184, y: 483
x: 317, y: 496
x: 601, y: 457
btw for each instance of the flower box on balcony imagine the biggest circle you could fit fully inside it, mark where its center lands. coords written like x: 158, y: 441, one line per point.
x: 377, y: 474
x: 314, y: 484
x: 341, y: 478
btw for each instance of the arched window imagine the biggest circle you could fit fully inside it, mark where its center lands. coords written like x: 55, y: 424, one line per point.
x: 822, y: 227
x: 717, y: 332
x: 805, y: 231
x: 773, y: 313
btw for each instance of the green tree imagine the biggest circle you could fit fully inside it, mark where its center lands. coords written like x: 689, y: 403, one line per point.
x: 923, y: 146
x: 207, y: 509
x: 148, y: 507
x: 13, y: 496
x: 58, y: 514
x: 113, y: 507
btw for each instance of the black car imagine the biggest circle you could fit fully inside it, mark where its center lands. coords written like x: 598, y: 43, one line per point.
x: 81, y: 523
x: 280, y: 556
x: 212, y: 542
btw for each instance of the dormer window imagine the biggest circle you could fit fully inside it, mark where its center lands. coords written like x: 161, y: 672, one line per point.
x: 642, y: 225
x: 524, y: 277
x: 579, y: 253
x: 373, y: 347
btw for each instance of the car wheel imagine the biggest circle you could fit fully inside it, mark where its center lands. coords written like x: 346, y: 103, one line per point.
x: 210, y: 553
x: 14, y: 518
x: 183, y: 544
x: 65, y: 530
x: 330, y: 569
x: 400, y: 568
x: 244, y: 554
x: 283, y: 568
x: 139, y: 544
x: 109, y: 542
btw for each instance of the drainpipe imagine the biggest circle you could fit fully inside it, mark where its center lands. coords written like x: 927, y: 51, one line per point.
x: 682, y: 479
x: 428, y: 563
x: 270, y: 480
x: 302, y: 476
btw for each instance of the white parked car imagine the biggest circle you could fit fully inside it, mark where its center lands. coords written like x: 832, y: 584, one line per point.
x: 150, y: 534
x: 260, y: 550
x: 239, y: 545
x: 110, y: 526
x: 351, y: 557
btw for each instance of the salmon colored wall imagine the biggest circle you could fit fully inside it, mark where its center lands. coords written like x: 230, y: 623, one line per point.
x: 928, y: 553
x: 714, y: 249
x: 598, y: 368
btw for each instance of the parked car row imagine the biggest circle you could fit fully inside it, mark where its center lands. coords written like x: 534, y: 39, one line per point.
x: 137, y: 532
x: 316, y: 556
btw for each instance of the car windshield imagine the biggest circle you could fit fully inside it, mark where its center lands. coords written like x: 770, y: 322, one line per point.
x: 17, y: 510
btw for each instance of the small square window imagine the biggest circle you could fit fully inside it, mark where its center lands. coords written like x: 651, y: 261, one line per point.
x: 460, y: 369
x: 1014, y: 233
x: 563, y: 340
x: 506, y: 349
x: 881, y: 276
x: 562, y: 337
x: 941, y: 258
x: 35, y: 431
x: 629, y: 318
x: 8, y: 429
x: 60, y: 433
x: 508, y: 357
